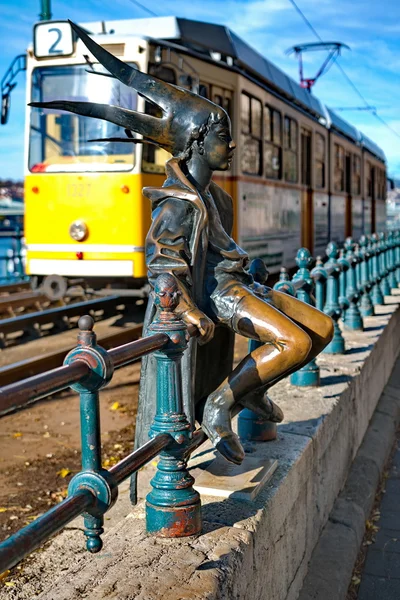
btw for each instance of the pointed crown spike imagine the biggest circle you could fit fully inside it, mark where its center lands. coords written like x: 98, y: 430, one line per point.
x: 184, y: 113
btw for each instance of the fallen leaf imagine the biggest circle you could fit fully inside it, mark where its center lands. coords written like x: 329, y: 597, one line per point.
x: 63, y: 472
x: 2, y: 509
x: 114, y: 406
x: 17, y: 434
x: 9, y: 583
x: 46, y: 435
x: 356, y: 580
x: 3, y: 575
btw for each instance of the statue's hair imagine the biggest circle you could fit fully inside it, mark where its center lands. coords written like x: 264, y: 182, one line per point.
x: 199, y: 134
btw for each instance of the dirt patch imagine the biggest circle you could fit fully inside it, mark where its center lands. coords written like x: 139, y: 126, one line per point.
x: 40, y: 447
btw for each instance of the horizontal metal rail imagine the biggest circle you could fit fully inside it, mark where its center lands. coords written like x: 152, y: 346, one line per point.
x: 39, y: 364
x: 23, y: 322
x: 33, y: 535
x: 35, y: 388
x: 315, y: 275
x: 37, y: 532
x: 138, y: 458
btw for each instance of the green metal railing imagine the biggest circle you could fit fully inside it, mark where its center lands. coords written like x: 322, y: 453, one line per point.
x: 346, y: 287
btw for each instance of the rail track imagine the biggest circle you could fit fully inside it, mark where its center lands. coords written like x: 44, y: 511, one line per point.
x: 15, y: 327
x: 10, y: 288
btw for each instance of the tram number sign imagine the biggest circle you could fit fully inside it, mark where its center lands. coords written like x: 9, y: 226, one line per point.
x: 52, y: 39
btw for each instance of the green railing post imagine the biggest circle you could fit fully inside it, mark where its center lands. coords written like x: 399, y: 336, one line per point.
x: 397, y: 254
x: 320, y: 277
x: 309, y: 375
x: 352, y: 319
x: 376, y: 293
x: 385, y: 287
x: 284, y: 283
x: 345, y: 266
x: 392, y: 260
x: 92, y: 476
x: 173, y: 506
x: 332, y: 307
x: 365, y: 283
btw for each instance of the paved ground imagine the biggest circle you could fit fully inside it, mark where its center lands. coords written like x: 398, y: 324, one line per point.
x: 381, y: 574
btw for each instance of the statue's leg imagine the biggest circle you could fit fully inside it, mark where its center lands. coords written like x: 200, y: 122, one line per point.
x: 286, y: 347
x: 315, y: 323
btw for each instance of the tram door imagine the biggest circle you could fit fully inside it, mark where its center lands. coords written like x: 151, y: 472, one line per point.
x: 307, y: 238
x: 349, y: 222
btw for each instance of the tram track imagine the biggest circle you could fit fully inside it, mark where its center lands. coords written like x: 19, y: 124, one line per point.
x: 51, y: 360
x: 9, y: 288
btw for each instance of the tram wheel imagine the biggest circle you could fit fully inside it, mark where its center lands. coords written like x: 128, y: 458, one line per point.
x: 54, y: 287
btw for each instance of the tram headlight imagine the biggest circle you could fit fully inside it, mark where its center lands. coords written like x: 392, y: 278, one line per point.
x: 78, y: 231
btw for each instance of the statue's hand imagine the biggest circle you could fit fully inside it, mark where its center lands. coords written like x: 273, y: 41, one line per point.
x: 206, y: 327
x: 260, y: 290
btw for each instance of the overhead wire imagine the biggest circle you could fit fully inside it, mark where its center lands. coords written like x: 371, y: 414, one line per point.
x: 142, y: 6
x: 348, y: 79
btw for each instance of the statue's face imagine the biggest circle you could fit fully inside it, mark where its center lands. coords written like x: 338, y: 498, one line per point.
x: 219, y: 146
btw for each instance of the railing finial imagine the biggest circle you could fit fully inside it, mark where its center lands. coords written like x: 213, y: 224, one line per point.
x: 86, y: 323
x: 166, y: 293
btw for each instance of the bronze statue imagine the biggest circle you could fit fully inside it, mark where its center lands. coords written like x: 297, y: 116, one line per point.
x: 190, y: 238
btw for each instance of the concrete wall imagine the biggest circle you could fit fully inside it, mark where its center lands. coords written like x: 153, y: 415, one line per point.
x: 254, y: 550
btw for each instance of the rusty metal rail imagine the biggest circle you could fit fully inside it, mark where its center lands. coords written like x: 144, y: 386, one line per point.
x: 35, y: 388
x: 38, y: 364
x: 29, y: 538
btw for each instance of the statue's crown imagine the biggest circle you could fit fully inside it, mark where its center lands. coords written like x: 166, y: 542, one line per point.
x: 183, y: 112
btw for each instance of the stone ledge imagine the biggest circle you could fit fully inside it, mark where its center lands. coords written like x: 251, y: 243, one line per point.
x: 333, y: 558
x: 248, y: 548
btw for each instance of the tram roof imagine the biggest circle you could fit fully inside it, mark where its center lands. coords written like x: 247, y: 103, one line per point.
x: 213, y: 40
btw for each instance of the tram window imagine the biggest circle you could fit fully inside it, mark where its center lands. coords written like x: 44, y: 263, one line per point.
x: 67, y: 143
x: 162, y: 72
x: 153, y: 158
x: 272, y: 143
x: 320, y: 161
x: 251, y: 122
x: 228, y: 106
x: 338, y: 171
x: 203, y: 90
x: 356, y: 175
x: 290, y: 141
x: 225, y: 102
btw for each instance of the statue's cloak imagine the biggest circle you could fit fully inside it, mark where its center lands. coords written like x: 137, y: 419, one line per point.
x: 177, y: 243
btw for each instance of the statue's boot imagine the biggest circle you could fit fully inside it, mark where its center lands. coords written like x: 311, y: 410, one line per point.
x: 216, y: 422
x: 260, y: 403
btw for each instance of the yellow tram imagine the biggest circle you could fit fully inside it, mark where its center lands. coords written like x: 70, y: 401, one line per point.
x: 301, y: 174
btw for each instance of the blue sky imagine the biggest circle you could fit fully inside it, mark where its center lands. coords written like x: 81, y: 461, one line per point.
x: 371, y: 28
